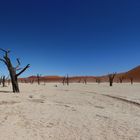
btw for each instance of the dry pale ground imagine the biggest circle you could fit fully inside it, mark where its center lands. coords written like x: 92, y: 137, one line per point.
x: 75, y: 112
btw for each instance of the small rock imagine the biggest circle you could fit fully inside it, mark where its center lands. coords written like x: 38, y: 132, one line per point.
x: 30, y: 96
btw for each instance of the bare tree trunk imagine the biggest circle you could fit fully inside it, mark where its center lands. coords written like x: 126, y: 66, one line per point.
x: 3, y: 81
x: 14, y: 81
x: 121, y: 80
x: 0, y: 80
x: 38, y: 79
x: 12, y: 70
x: 111, y: 78
x: 85, y: 80
x: 63, y: 80
x: 98, y: 80
x: 67, y: 80
x: 131, y: 79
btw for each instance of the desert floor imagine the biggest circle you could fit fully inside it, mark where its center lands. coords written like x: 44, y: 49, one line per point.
x: 75, y: 112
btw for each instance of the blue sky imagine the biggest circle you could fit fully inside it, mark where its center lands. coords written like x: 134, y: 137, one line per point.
x: 78, y: 37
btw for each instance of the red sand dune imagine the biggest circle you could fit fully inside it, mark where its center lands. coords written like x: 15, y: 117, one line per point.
x: 134, y: 73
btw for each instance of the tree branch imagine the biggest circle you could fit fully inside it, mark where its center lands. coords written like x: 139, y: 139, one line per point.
x: 23, y: 70
x: 18, y: 64
x: 3, y: 61
x: 6, y: 51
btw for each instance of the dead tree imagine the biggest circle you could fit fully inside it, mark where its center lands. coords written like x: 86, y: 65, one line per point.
x: 85, y: 80
x: 38, y: 79
x: 63, y: 80
x: 67, y: 80
x: 0, y: 80
x: 111, y: 78
x: 121, y: 78
x: 13, y: 70
x: 79, y: 80
x: 3, y: 81
x: 98, y: 80
x: 131, y: 79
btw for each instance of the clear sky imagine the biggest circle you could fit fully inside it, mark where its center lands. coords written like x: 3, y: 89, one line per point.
x: 78, y: 37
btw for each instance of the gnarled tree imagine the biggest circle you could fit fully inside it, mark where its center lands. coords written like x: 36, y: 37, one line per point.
x: 13, y: 70
x: 111, y: 78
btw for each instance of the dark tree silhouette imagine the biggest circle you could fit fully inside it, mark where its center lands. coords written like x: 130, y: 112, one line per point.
x: 111, y: 78
x: 3, y: 81
x: 131, y: 79
x: 85, y: 80
x: 121, y: 78
x: 13, y: 70
x: 38, y: 78
x: 63, y: 80
x: 98, y: 80
x: 67, y: 80
x: 0, y: 80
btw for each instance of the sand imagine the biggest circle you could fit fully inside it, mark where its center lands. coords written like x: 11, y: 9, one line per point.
x: 75, y: 112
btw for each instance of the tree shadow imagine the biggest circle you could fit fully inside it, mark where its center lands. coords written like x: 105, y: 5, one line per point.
x: 2, y: 91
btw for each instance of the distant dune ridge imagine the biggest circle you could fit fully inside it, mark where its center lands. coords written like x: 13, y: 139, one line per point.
x: 124, y: 77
